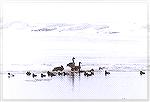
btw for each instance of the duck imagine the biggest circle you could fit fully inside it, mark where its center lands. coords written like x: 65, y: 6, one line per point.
x: 101, y: 68
x: 28, y: 73
x: 10, y: 75
x: 106, y: 72
x: 50, y: 73
x: 59, y: 73
x: 141, y: 72
x: 92, y: 69
x: 42, y: 75
x: 88, y: 74
x: 65, y: 73
x: 92, y: 72
x: 61, y: 68
x: 34, y: 75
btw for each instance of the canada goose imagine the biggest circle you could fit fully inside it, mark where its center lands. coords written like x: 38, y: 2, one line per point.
x: 65, y: 73
x: 10, y: 75
x: 88, y: 73
x: 42, y: 75
x: 59, y: 73
x: 71, y: 64
x: 34, y: 75
x: 28, y: 73
x: 76, y: 68
x: 91, y: 71
x: 106, y: 72
x: 61, y: 68
x: 141, y: 72
x: 50, y: 73
x: 100, y: 68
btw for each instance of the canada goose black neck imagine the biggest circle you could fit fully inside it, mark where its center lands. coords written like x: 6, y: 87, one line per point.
x: 80, y: 63
x: 73, y: 59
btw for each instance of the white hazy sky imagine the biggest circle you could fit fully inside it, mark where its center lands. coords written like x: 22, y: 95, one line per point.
x: 24, y: 46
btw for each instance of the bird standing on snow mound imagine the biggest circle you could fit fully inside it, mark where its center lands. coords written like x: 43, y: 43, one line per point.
x: 71, y: 64
x: 61, y: 68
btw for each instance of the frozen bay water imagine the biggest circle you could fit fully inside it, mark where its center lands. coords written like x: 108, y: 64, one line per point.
x: 124, y: 81
x: 124, y: 55
x: 117, y: 85
x: 113, y: 36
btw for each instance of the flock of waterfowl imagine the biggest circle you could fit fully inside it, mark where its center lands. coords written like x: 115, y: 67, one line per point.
x: 60, y: 71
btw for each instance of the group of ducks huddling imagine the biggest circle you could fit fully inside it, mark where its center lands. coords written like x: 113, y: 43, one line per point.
x: 49, y: 74
x: 60, y: 71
